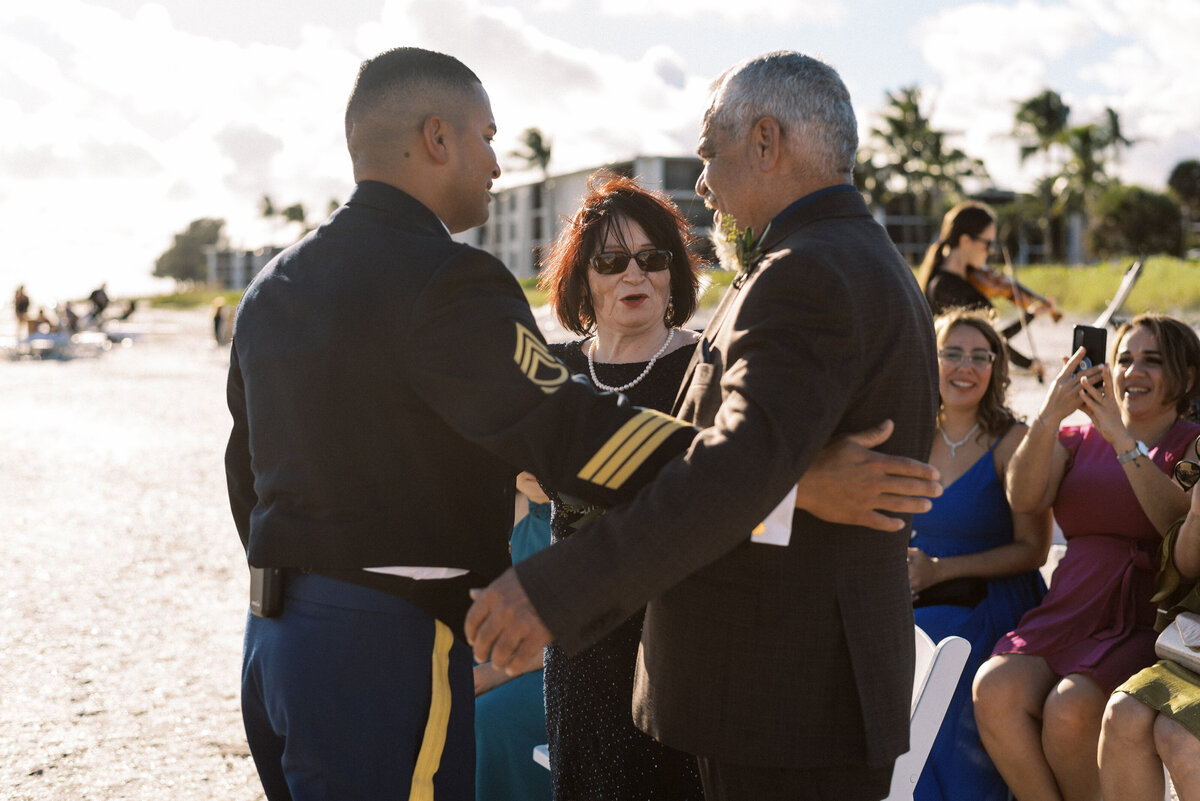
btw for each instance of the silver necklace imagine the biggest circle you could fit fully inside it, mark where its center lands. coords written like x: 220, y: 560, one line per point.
x: 592, y: 365
x: 954, y: 446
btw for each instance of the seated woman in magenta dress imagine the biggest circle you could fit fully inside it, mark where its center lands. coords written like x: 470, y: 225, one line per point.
x: 973, y: 564
x: 1040, y: 699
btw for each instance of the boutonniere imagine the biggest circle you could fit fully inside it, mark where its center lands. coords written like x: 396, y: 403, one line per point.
x: 739, y: 249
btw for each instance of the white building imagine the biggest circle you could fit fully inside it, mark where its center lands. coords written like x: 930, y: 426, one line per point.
x: 525, y: 219
x: 235, y: 269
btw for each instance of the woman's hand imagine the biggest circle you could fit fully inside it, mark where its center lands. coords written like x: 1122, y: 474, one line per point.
x: 922, y: 571
x: 1065, y: 393
x: 527, y: 484
x: 1100, y: 404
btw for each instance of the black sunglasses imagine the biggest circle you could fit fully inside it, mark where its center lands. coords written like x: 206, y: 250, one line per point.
x: 1187, y: 472
x: 616, y: 262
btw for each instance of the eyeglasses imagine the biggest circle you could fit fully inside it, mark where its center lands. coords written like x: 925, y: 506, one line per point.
x: 979, y: 358
x: 616, y: 262
x: 1187, y: 472
x: 988, y: 243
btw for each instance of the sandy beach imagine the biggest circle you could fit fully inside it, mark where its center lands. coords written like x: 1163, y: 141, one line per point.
x: 123, y: 580
x: 124, y: 584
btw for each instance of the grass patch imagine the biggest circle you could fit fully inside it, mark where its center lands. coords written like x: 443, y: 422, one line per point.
x: 194, y: 297
x: 1167, y: 285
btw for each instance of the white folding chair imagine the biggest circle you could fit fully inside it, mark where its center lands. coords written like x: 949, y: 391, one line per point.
x: 935, y: 678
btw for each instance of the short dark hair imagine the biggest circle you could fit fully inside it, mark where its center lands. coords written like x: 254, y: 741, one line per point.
x: 610, y: 198
x: 400, y: 70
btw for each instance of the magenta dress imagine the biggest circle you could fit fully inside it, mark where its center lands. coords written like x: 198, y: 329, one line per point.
x: 1097, y: 618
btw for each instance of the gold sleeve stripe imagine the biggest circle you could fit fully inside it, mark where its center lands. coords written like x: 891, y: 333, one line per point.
x: 537, y: 362
x: 429, y: 758
x: 626, y: 450
x: 643, y: 453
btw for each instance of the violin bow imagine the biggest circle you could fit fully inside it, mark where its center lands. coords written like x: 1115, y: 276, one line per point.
x: 1017, y: 294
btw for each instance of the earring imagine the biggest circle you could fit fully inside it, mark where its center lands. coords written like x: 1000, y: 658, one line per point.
x: 670, y: 312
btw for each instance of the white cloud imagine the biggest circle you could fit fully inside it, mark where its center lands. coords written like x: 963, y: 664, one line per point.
x: 725, y: 11
x: 122, y: 126
x: 990, y: 57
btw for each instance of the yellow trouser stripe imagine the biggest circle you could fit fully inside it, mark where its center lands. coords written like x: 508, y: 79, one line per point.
x: 434, y: 742
x: 626, y: 450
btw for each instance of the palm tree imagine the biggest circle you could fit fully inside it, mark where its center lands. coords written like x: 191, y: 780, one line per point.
x: 536, y: 150
x: 912, y: 157
x: 1041, y: 123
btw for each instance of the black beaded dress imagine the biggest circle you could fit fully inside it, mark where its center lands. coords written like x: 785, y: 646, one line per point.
x: 596, y: 753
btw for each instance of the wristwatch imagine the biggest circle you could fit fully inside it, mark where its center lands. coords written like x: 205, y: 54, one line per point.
x: 1139, y: 449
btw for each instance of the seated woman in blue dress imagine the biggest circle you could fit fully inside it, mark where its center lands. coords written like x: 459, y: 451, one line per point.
x: 973, y: 563
x: 510, y: 716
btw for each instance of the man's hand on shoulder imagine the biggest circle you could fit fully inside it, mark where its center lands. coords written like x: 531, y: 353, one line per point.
x: 503, y: 627
x: 851, y: 484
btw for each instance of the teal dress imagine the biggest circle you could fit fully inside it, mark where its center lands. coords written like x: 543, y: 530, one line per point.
x: 511, y: 719
x: 972, y: 515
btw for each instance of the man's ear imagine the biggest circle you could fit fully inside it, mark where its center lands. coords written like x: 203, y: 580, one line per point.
x: 435, y: 132
x: 766, y: 139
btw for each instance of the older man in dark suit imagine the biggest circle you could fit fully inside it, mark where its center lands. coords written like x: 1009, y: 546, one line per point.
x: 780, y: 654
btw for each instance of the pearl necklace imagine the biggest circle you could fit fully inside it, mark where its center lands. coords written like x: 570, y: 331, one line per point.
x: 954, y: 446
x: 592, y: 365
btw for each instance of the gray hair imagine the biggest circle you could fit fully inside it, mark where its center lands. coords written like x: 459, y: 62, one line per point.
x: 806, y: 96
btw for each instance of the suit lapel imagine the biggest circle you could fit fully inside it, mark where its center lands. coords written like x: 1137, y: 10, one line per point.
x: 700, y: 354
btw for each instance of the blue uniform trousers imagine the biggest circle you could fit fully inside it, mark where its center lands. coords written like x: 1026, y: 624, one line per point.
x: 352, y: 693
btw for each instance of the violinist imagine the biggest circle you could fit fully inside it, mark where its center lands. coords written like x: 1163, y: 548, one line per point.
x: 954, y: 274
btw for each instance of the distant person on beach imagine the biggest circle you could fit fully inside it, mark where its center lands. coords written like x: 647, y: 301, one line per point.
x: 781, y: 654
x: 42, y: 324
x: 219, y: 321
x: 99, y: 301
x: 372, y: 456
x: 967, y: 238
x: 21, y: 309
x: 68, y: 319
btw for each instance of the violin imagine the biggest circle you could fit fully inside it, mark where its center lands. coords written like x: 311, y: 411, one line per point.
x: 992, y: 284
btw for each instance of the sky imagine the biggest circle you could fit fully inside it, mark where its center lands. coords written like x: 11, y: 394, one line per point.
x: 123, y: 120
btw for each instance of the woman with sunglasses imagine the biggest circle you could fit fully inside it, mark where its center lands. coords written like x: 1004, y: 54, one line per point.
x: 621, y: 276
x: 1153, y: 719
x: 1040, y: 698
x: 967, y: 238
x: 973, y: 563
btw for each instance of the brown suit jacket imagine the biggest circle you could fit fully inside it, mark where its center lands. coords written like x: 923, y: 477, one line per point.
x: 797, y: 656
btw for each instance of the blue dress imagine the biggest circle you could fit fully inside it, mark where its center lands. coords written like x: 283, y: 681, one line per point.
x: 972, y: 515
x: 511, y: 719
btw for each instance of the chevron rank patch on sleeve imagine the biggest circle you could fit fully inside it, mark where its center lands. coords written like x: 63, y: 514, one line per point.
x: 626, y: 450
x: 537, y: 363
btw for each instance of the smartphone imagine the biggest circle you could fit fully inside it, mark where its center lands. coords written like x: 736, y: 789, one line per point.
x: 1093, y: 341
x: 266, y: 591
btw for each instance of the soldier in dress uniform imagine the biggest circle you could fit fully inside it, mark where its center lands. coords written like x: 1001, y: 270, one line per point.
x: 385, y: 384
